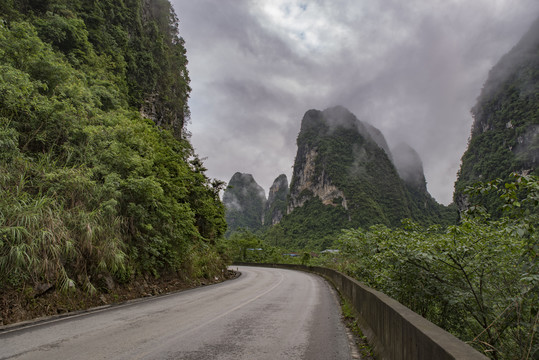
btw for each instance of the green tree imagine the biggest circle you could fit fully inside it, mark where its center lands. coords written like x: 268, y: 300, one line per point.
x: 91, y: 186
x: 479, y: 279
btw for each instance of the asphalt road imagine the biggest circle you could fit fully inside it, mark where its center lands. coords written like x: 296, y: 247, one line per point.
x: 263, y: 314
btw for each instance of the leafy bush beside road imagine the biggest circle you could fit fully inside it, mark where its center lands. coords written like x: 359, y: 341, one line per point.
x: 478, y: 280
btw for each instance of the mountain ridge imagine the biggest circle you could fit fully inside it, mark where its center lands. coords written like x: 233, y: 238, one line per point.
x: 344, y: 175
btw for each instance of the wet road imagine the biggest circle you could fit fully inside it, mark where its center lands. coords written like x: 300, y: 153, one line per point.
x: 264, y: 314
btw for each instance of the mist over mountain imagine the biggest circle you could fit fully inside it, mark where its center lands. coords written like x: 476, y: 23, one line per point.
x: 276, y: 204
x: 505, y: 133
x: 244, y: 202
x: 409, y: 166
x: 343, y: 177
x: 340, y: 164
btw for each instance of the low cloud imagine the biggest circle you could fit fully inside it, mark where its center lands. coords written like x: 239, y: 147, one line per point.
x: 412, y: 69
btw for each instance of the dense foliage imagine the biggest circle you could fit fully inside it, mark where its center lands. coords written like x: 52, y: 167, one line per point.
x: 479, y: 279
x: 88, y: 187
x: 245, y: 246
x: 312, y: 226
x: 505, y: 133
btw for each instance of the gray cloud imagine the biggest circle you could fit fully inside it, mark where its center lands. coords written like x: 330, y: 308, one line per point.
x: 413, y: 69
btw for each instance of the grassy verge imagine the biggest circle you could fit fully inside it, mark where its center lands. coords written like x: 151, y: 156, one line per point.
x: 25, y: 304
x: 350, y: 319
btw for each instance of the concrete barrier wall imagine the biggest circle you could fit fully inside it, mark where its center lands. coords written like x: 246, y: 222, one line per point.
x: 394, y: 331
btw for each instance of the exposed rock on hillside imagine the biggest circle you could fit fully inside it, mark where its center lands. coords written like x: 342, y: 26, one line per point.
x: 339, y: 163
x: 307, y: 184
x: 343, y: 177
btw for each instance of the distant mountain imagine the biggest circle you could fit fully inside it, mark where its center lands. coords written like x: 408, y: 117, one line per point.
x: 423, y: 206
x: 344, y: 177
x: 276, y: 204
x: 244, y: 202
x: 340, y: 164
x: 505, y: 132
x: 409, y: 166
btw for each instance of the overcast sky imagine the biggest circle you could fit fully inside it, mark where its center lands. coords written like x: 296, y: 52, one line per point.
x: 412, y: 68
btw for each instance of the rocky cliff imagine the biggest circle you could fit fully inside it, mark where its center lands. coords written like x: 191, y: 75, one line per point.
x: 341, y: 164
x: 505, y: 131
x: 245, y: 203
x: 344, y: 176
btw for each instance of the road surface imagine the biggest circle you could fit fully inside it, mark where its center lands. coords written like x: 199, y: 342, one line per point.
x: 264, y: 314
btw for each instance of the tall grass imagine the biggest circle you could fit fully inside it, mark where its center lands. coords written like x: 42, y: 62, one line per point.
x: 48, y: 236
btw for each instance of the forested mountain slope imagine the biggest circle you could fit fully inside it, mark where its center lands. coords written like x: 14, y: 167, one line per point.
x: 344, y: 177
x: 97, y: 179
x: 505, y: 132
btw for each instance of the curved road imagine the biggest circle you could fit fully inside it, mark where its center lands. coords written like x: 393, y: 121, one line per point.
x: 264, y: 314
